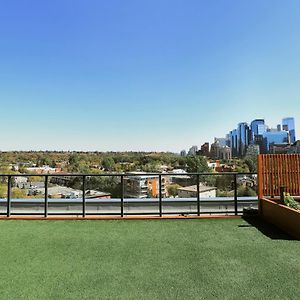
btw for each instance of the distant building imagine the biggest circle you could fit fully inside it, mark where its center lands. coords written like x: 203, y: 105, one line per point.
x: 65, y: 192
x: 191, y: 191
x: 220, y: 152
x: 61, y: 180
x: 259, y: 140
x: 215, y: 150
x: 252, y: 150
x: 182, y: 180
x: 258, y: 133
x: 44, y: 170
x: 221, y: 141
x: 257, y: 127
x: 225, y: 153
x: 288, y: 124
x: 144, y: 186
x: 233, y: 142
x: 193, y: 150
x: 274, y: 137
x: 183, y: 153
x: 205, y: 149
x: 295, y: 148
x: 213, y: 164
x: 279, y: 149
x: 224, y: 168
x: 243, y: 138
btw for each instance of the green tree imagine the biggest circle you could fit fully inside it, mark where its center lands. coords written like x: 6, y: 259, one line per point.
x: 251, y: 162
x: 173, y: 189
x: 224, y: 182
x: 19, y: 193
x: 3, y: 191
x: 197, y: 164
x: 245, y: 191
x: 108, y: 163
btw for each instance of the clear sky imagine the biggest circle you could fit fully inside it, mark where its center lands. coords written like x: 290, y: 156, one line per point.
x: 144, y: 75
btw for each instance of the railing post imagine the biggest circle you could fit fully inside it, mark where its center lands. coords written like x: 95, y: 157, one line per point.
x: 160, y: 196
x: 235, y: 195
x: 46, y: 197
x: 282, y: 193
x: 83, y: 195
x: 198, y: 195
x: 122, y: 196
x: 8, y: 205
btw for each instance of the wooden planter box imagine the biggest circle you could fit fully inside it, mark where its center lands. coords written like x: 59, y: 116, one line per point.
x: 282, y: 216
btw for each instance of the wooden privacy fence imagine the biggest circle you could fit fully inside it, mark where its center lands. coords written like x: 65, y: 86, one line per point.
x: 276, y: 170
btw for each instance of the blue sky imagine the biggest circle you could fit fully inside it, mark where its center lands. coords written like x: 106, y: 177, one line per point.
x: 144, y: 75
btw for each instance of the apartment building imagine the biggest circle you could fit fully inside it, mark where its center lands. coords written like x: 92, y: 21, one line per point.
x: 144, y: 186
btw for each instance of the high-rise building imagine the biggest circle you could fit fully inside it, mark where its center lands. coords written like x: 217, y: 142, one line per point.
x: 183, y: 153
x: 243, y: 138
x: 193, y: 150
x: 257, y: 128
x: 258, y: 133
x: 227, y: 138
x: 288, y: 124
x: 205, y: 149
x: 274, y: 137
x: 233, y: 142
x: 221, y: 141
x: 214, y: 150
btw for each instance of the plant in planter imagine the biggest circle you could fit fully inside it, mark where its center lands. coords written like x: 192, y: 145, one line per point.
x: 289, y: 201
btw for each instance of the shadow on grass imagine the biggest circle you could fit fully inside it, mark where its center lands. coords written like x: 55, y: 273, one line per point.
x: 265, y: 228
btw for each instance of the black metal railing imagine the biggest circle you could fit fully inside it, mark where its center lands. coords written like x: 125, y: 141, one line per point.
x: 122, y: 199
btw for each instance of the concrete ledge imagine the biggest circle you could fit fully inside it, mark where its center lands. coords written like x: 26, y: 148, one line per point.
x: 65, y: 218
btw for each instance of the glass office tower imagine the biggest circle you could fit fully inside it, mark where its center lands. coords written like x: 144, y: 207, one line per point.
x: 233, y: 141
x: 257, y: 128
x: 288, y: 124
x: 274, y: 137
x: 243, y: 138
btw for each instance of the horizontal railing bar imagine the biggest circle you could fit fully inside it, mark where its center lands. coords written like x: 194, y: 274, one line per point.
x: 118, y: 214
x: 26, y: 214
x: 126, y: 174
x: 165, y: 203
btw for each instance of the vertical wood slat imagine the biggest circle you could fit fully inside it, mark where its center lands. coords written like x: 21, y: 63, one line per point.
x: 280, y: 173
x: 292, y: 176
x: 277, y: 183
x: 260, y: 177
x: 265, y: 176
x: 298, y: 174
x: 270, y: 177
x: 275, y: 170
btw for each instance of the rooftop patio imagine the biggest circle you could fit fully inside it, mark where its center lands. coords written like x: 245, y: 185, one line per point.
x: 165, y: 259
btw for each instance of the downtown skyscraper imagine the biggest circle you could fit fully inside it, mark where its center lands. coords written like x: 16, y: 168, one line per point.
x: 288, y: 124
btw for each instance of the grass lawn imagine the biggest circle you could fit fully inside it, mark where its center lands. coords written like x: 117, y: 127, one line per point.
x: 165, y: 259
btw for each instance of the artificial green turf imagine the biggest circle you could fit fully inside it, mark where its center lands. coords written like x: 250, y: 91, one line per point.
x: 165, y: 259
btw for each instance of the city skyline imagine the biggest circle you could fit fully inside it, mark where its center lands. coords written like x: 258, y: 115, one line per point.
x: 157, y: 76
